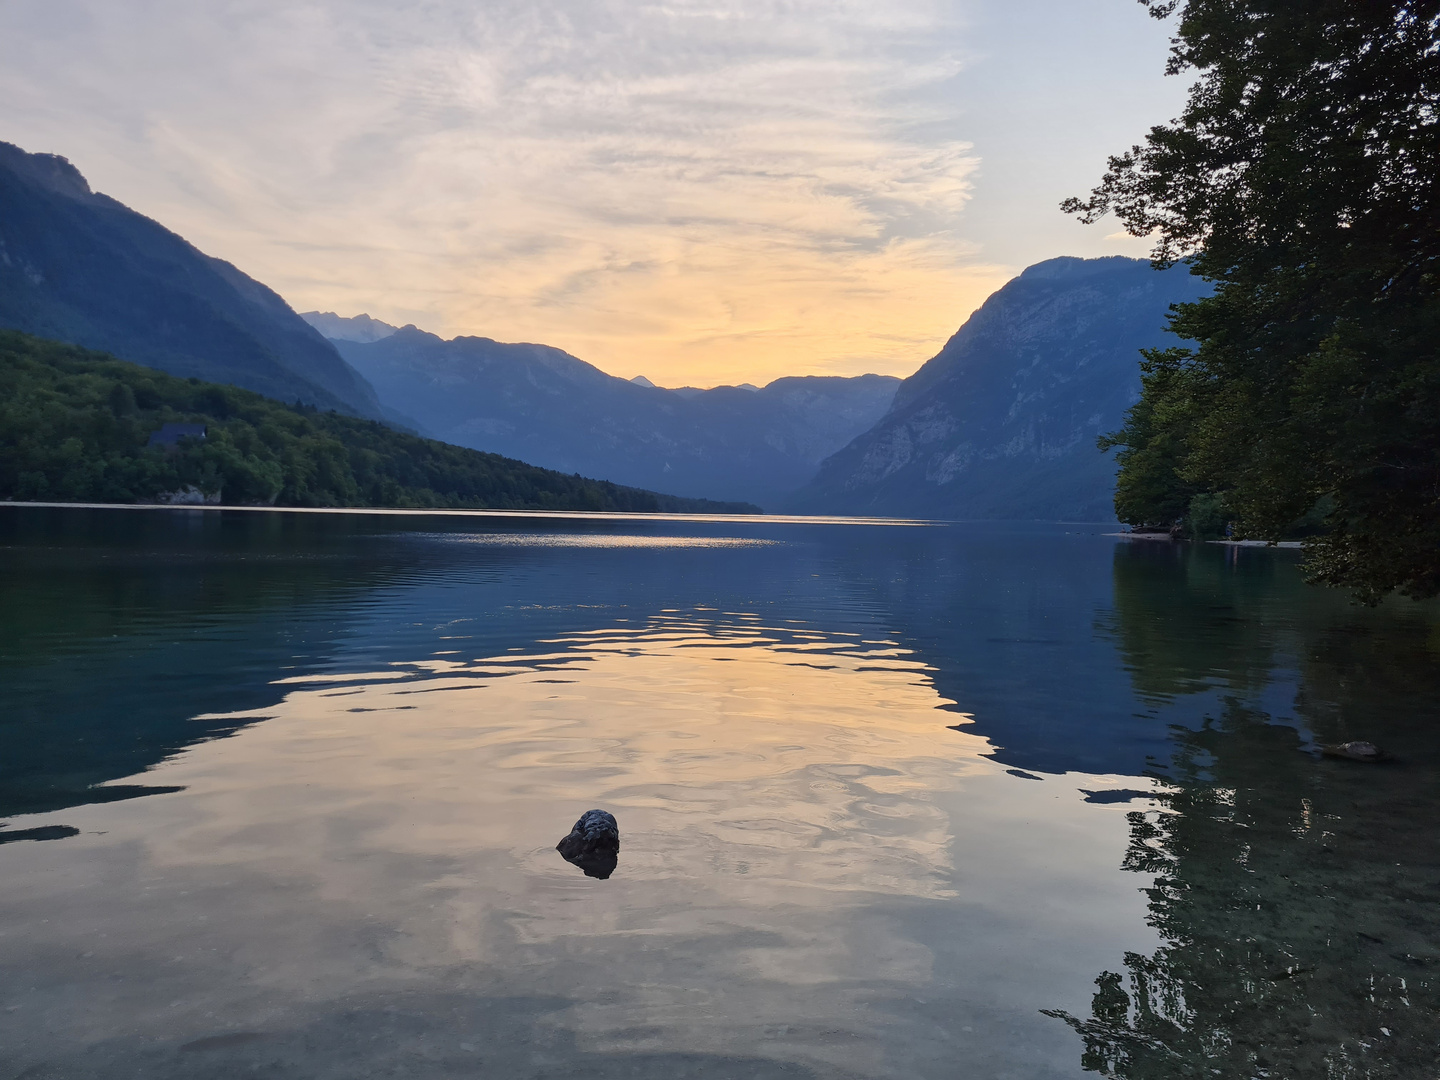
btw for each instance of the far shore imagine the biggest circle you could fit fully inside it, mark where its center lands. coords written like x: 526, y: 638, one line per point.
x: 1227, y: 543
x: 439, y: 511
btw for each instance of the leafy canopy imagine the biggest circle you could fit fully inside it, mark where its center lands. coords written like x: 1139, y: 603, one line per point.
x: 1302, y: 179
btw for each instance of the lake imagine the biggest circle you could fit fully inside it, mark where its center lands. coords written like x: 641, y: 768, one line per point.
x: 281, y: 794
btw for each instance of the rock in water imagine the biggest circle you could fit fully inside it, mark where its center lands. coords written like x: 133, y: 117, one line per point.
x: 1354, y: 751
x: 593, y: 844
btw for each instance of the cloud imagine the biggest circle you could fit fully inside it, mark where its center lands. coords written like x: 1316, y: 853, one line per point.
x: 1130, y: 244
x: 700, y: 190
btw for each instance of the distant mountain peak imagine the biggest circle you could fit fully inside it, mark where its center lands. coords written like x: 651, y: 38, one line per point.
x: 640, y: 380
x: 355, y: 328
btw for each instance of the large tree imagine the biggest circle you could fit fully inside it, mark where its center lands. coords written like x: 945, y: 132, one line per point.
x: 1302, y: 180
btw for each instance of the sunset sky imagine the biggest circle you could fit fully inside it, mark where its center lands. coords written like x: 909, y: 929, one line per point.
x: 699, y: 191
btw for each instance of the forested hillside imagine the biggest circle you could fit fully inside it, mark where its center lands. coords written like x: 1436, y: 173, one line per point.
x: 74, y: 427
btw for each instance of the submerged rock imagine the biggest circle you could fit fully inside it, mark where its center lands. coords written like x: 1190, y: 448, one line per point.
x: 593, y: 844
x: 1354, y: 751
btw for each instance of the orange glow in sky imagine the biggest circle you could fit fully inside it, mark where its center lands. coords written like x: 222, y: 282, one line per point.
x: 699, y: 192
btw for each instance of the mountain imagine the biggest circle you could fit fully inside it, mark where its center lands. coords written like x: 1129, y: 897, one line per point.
x: 81, y: 426
x: 1002, y: 423
x: 79, y: 266
x: 356, y: 328
x: 543, y: 405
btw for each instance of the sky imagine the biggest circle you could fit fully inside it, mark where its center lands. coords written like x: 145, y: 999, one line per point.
x: 699, y: 191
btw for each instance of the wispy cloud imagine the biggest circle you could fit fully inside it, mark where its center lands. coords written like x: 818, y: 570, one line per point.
x: 702, y: 191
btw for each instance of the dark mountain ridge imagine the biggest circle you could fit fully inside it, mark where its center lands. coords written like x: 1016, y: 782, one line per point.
x: 543, y: 405
x: 81, y: 267
x: 1002, y: 423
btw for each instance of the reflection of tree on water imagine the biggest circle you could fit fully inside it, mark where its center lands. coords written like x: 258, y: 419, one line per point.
x: 1299, y: 898
x: 1185, y: 623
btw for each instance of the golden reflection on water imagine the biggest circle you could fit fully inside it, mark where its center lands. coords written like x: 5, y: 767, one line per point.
x: 796, y: 819
x: 600, y: 540
x: 724, y: 749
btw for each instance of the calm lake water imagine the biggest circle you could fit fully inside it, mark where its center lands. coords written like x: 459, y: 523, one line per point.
x: 281, y: 796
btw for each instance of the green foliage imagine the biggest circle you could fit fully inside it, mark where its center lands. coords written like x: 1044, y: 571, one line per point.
x: 74, y: 426
x: 1206, y: 517
x: 1303, y: 179
x: 1149, y: 490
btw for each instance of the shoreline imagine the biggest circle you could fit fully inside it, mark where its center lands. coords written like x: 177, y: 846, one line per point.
x: 407, y: 511
x: 1293, y: 545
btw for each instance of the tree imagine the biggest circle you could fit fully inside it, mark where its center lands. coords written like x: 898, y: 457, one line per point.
x: 1302, y: 180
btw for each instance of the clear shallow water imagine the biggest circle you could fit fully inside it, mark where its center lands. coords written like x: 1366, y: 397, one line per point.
x: 282, y: 794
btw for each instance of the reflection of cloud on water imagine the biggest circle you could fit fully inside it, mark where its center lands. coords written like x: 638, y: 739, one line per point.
x: 799, y: 849
x: 795, y: 774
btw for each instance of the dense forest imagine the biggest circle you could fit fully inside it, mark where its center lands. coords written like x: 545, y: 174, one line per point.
x: 75, y: 427
x: 1303, y: 180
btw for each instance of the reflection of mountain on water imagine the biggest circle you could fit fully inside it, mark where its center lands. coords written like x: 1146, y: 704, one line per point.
x: 121, y: 626
x: 125, y: 625
x: 1005, y: 616
x: 1296, y: 895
